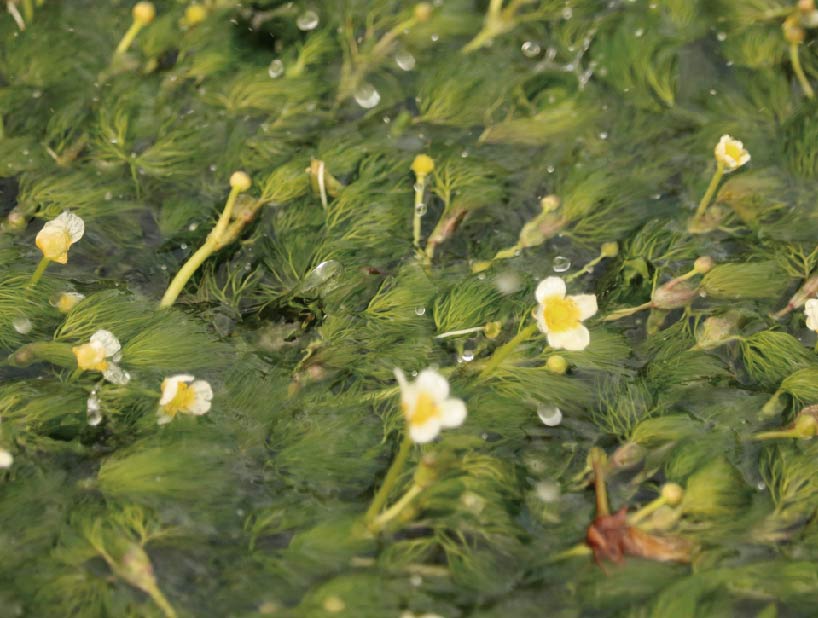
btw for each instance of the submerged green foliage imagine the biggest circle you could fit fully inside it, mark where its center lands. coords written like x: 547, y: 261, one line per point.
x: 556, y: 128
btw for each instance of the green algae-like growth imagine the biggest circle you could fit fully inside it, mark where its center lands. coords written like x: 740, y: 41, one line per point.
x: 375, y: 308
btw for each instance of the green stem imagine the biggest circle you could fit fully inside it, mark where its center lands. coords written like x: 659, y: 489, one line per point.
x: 503, y: 351
x: 646, y: 510
x: 390, y: 479
x: 396, y: 509
x: 38, y: 272
x: 130, y: 35
x: 28, y: 9
x: 202, y: 253
x: 623, y: 313
x: 799, y: 71
x: 161, y: 601
x: 585, y: 269
x: 711, y: 190
x: 598, y: 462
x: 420, y: 188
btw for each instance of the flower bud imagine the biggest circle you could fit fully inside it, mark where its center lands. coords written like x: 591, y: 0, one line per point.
x: 672, y: 493
x: 195, y: 14
x: 676, y: 296
x: 557, y: 364
x: 144, y: 12
x: 423, y: 165
x: 16, y: 220
x: 550, y: 203
x: 805, y: 426
x: 492, y: 329
x: 703, y: 264
x: 715, y: 331
x: 240, y: 181
x: 423, y: 11
x: 793, y: 31
x: 609, y: 249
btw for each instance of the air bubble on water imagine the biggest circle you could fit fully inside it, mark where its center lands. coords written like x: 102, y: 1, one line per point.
x: 508, y: 283
x: 192, y: 227
x: 547, y: 491
x: 464, y: 154
x: 308, y: 20
x: 549, y: 415
x: 405, y: 60
x: 560, y: 264
x: 420, y: 310
x: 761, y: 486
x: 721, y: 36
x: 481, y: 277
x: 183, y: 246
x: 639, y: 32
x: 603, y: 135
x: 22, y: 325
x: 366, y: 96
x: 530, y: 49
x: 550, y: 169
x: 276, y: 68
x: 467, y: 355
x: 321, y: 274
x: 435, y: 38
x: 567, y: 12
x: 713, y: 92
x: 420, y: 209
x: 93, y: 410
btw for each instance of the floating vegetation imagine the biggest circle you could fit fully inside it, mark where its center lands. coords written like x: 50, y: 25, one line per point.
x: 449, y: 309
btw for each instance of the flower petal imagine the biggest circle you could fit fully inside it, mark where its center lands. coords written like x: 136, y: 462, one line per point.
x: 811, y: 311
x: 433, y: 384
x: 170, y: 386
x: 426, y: 432
x: 107, y: 340
x: 574, y: 340
x: 452, y: 412
x: 203, y: 397
x: 73, y: 224
x: 586, y: 303
x: 551, y: 286
x: 115, y: 374
x: 539, y: 315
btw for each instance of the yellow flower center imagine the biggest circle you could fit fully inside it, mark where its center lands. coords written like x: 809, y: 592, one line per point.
x: 182, y: 401
x: 54, y: 244
x: 425, y: 410
x: 90, y: 357
x: 560, y: 314
x: 732, y: 150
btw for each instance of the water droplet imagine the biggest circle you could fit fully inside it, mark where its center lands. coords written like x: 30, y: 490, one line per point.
x: 435, y: 38
x: 308, y: 20
x: 469, y: 347
x: 761, y: 486
x: 560, y: 264
x: 405, y: 60
x: 567, y: 12
x: 192, y: 227
x: 276, y: 68
x: 549, y: 415
x: 603, y: 135
x: 183, y: 246
x: 481, y: 276
x: 721, y: 36
x: 638, y: 33
x: 420, y: 310
x: 550, y: 169
x: 22, y: 325
x: 713, y: 92
x: 420, y: 209
x: 366, y: 96
x: 464, y: 154
x: 530, y: 49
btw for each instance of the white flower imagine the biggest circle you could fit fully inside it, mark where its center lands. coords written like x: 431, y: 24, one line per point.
x: 6, y: 458
x: 427, y: 406
x: 811, y: 311
x: 58, y: 235
x: 102, y: 354
x: 184, y: 394
x: 560, y: 317
x: 731, y: 153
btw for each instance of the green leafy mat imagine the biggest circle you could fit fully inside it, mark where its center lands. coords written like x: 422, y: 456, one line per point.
x: 569, y: 138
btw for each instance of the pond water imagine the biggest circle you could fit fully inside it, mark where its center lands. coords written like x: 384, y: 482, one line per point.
x: 467, y: 308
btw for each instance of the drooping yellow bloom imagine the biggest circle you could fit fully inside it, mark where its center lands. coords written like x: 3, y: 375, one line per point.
x: 183, y: 394
x: 560, y: 317
x: 101, y: 354
x: 57, y: 236
x: 426, y: 405
x: 731, y: 153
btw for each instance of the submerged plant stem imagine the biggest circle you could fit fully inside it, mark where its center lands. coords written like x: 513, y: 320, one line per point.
x: 390, y: 479
x: 503, y: 351
x: 128, y: 38
x: 799, y: 71
x: 212, y: 244
x: 711, y: 190
x: 38, y: 272
x: 382, y: 520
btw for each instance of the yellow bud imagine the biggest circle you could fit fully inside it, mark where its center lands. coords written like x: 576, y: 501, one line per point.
x: 67, y: 301
x: 703, y: 264
x: 90, y: 357
x: 195, y: 14
x: 609, y: 249
x: 423, y: 11
x: 54, y: 242
x: 793, y: 31
x: 492, y: 329
x: 557, y: 364
x: 240, y: 181
x: 672, y: 493
x: 144, y: 12
x: 422, y: 165
x: 806, y: 426
x: 17, y: 220
x: 550, y: 203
